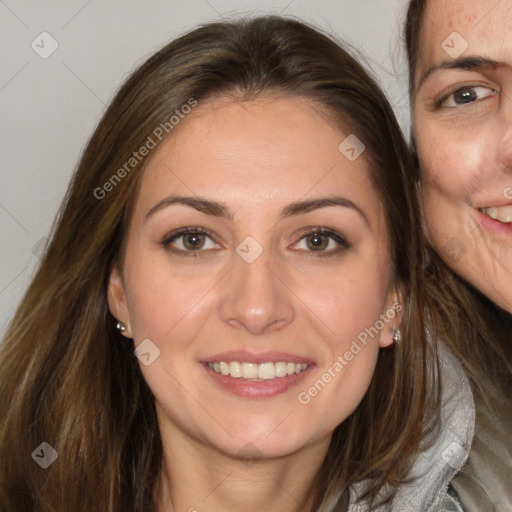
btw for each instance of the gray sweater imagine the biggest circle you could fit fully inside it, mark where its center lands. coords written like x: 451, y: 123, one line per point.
x: 430, y: 491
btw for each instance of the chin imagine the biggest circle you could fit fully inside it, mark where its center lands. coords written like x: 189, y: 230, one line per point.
x: 270, y: 443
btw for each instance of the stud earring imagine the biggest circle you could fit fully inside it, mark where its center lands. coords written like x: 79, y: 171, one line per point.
x: 120, y: 327
x: 397, y: 337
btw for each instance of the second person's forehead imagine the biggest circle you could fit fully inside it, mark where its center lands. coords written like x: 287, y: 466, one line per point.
x: 462, y: 27
x: 459, y: 34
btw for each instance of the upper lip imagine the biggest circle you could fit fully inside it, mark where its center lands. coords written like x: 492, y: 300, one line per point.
x: 497, y: 204
x: 256, y: 358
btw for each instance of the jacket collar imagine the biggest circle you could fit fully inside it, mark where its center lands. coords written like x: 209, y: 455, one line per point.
x: 447, y: 452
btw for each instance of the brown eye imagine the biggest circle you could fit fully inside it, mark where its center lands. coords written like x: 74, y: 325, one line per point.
x: 193, y: 241
x: 190, y: 240
x: 317, y: 242
x: 323, y: 241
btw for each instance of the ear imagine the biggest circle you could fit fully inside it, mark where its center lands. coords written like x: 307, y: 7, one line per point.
x: 392, y: 315
x: 117, y: 301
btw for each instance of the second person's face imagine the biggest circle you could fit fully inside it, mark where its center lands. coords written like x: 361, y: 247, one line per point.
x: 463, y: 129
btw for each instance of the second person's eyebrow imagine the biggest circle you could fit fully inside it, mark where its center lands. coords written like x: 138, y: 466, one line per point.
x: 463, y: 64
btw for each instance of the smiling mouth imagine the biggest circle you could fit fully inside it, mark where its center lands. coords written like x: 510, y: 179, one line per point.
x: 501, y: 214
x: 253, y: 371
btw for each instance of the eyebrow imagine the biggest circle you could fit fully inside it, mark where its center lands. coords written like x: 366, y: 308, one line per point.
x: 217, y: 209
x: 464, y: 64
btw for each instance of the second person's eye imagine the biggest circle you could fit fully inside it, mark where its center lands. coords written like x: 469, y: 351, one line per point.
x: 466, y: 95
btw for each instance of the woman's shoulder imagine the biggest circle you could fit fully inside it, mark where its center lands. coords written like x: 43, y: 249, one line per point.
x: 428, y: 487
x: 485, y: 482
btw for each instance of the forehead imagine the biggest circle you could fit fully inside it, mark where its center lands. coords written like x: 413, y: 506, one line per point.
x: 257, y: 158
x: 482, y: 29
x: 265, y: 147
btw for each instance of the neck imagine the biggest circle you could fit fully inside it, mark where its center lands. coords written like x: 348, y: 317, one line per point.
x: 196, y: 478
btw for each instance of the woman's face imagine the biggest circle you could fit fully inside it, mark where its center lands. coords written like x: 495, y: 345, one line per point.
x: 463, y: 130
x: 257, y: 247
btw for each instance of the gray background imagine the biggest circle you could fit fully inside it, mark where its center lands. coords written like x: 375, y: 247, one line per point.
x: 49, y: 107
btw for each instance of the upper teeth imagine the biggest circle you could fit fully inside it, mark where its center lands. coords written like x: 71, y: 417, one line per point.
x: 265, y: 371
x: 502, y: 213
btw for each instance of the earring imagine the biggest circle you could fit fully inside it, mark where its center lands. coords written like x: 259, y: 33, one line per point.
x: 397, y: 337
x: 120, y: 327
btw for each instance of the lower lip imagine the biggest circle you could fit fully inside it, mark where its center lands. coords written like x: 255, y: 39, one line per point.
x: 257, y: 388
x: 494, y: 226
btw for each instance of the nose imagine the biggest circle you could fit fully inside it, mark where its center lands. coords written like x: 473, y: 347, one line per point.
x: 256, y: 298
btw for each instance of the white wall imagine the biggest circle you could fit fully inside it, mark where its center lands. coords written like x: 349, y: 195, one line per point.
x: 49, y: 107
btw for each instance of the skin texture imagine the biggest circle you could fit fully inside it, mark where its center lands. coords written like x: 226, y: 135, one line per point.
x: 464, y: 141
x: 256, y: 157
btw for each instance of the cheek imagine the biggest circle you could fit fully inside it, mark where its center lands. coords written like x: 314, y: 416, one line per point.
x: 162, y: 301
x: 454, y: 160
x: 345, y: 302
x: 446, y: 164
x: 351, y: 347
x: 355, y: 315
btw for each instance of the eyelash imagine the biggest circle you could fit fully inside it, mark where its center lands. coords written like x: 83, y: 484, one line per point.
x: 190, y: 230
x: 342, y: 242
x: 438, y: 104
x: 168, y: 239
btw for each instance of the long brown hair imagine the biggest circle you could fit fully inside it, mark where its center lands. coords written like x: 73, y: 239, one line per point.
x: 478, y: 331
x: 69, y: 379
